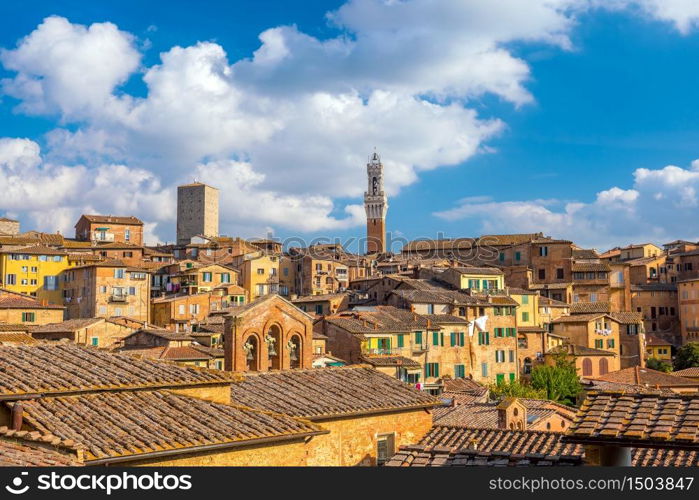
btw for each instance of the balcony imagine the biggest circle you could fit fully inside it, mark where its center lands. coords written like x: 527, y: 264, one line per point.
x: 420, y: 348
x: 118, y: 298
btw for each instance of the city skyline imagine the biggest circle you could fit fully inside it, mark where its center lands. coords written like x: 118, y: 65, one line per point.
x: 573, y: 131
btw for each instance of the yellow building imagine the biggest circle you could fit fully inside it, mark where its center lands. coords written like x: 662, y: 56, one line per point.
x: 19, y: 309
x: 474, y: 278
x: 33, y: 271
x: 260, y: 275
x: 658, y: 348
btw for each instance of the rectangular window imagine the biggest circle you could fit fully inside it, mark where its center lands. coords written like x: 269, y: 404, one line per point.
x: 502, y: 257
x: 127, y: 234
x: 543, y: 251
x: 11, y: 279
x: 437, y: 339
x: 525, y: 299
x: 206, y: 277
x: 401, y: 340
x: 94, y: 341
x: 511, y: 355
x: 385, y: 448
x: 512, y: 377
x: 525, y: 316
x: 319, y: 308
x: 500, y: 378
x: 599, y: 344
x: 50, y: 283
x: 132, y: 290
x: 559, y: 273
x: 610, y: 344
x: 430, y: 308
x: 119, y: 273
x: 418, y: 338
x: 225, y: 277
x: 542, y: 274
x: 518, y: 256
x: 459, y: 371
x: 432, y: 370
x: 180, y: 309
x: 28, y: 317
x: 484, y: 369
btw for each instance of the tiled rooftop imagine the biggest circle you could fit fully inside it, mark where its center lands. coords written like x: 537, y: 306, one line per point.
x: 688, y: 372
x: 118, y: 424
x: 428, y: 456
x: 329, y: 392
x: 13, y: 300
x: 636, y: 375
x: 59, y: 368
x: 662, y: 420
x: 33, y: 449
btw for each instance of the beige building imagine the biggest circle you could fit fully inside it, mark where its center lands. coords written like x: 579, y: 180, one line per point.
x: 109, y: 229
x: 106, y: 289
x: 688, y: 293
x: 259, y: 276
x: 197, y: 211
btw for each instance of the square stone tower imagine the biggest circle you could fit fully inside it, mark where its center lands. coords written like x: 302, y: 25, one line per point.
x: 197, y: 211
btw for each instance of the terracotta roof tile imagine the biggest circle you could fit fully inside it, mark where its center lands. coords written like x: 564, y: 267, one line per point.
x: 329, y: 392
x: 69, y: 367
x: 428, y: 456
x: 13, y: 300
x: 16, y: 338
x: 645, y: 376
x: 583, y: 267
x: 114, y: 219
x: 590, y: 307
x: 390, y: 361
x: 118, y: 424
x: 627, y: 419
x: 34, y: 449
x: 688, y: 372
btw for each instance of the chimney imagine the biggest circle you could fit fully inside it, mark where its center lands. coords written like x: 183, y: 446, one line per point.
x: 16, y: 416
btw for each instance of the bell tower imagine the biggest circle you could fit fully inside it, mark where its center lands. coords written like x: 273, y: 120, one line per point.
x: 376, y: 205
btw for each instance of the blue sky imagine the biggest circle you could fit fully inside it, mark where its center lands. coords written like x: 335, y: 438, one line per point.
x: 574, y: 120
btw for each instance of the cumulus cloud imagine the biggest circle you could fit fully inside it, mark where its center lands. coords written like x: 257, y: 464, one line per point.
x: 287, y: 128
x: 661, y: 206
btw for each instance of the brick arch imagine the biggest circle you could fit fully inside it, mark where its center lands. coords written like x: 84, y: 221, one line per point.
x: 300, y: 352
x: 261, y: 348
x: 275, y: 362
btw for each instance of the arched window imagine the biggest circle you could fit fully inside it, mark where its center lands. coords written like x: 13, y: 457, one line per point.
x: 603, y: 366
x: 295, y: 351
x: 587, y: 367
x: 527, y: 366
x: 274, y: 347
x: 252, y: 352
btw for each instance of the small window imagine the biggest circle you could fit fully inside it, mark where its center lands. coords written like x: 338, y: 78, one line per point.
x: 28, y: 317
x: 94, y: 341
x: 385, y: 448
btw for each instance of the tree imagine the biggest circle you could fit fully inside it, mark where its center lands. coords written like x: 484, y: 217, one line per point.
x: 687, y: 356
x: 516, y: 389
x: 658, y: 364
x: 559, y: 381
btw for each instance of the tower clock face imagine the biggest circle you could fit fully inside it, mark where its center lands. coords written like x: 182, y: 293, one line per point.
x: 375, y: 186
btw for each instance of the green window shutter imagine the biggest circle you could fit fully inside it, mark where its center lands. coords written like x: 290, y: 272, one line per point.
x: 452, y: 337
x: 461, y: 339
x: 400, y: 340
x: 480, y: 338
x: 487, y: 338
x: 418, y: 338
x: 518, y: 256
x: 502, y: 256
x: 500, y: 378
x: 436, y: 369
x: 512, y: 377
x: 525, y: 299
x: 525, y: 316
x: 435, y: 338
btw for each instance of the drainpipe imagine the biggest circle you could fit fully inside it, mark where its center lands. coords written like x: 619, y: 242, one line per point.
x: 16, y: 416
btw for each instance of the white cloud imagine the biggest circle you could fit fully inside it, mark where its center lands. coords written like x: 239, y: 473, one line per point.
x: 661, y: 206
x: 69, y: 68
x: 289, y: 126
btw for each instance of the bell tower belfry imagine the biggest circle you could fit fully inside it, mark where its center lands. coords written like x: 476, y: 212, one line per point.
x: 376, y: 205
